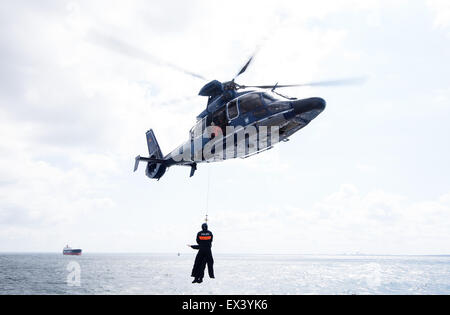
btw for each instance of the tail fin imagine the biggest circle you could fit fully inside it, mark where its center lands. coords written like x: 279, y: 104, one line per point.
x: 153, y: 147
x: 156, y: 165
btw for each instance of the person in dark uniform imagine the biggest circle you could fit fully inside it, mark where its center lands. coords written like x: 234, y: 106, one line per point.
x: 204, y: 256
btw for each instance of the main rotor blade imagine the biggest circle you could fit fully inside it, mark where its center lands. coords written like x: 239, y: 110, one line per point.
x: 128, y: 50
x: 245, y: 67
x: 342, y: 82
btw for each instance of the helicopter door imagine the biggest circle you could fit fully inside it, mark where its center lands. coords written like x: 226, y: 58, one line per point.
x: 232, y: 110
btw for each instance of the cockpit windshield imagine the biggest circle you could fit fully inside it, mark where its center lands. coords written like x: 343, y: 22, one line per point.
x: 268, y: 98
x: 274, y: 104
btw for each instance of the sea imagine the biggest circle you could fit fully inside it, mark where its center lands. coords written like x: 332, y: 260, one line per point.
x: 161, y: 274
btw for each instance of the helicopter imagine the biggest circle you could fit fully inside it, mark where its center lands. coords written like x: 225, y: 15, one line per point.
x: 239, y: 121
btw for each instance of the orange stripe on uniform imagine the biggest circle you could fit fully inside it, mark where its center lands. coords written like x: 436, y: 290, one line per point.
x: 204, y: 238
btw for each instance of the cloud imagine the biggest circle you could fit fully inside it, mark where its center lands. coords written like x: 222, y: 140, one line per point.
x: 347, y: 221
x: 73, y: 114
x: 441, y: 11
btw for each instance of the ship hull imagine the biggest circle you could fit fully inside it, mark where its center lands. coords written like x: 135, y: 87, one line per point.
x: 72, y: 252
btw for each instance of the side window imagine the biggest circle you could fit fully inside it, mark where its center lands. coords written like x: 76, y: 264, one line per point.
x: 232, y: 110
x: 249, y: 103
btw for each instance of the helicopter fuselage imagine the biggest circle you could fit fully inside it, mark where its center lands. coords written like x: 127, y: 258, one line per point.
x: 234, y: 125
x: 261, y: 118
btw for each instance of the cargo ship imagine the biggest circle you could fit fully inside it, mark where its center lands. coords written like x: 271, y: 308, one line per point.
x: 71, y: 252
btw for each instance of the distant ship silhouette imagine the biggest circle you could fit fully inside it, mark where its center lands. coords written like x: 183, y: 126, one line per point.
x: 71, y: 252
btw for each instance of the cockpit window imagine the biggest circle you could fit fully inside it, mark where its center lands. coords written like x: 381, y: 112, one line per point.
x: 268, y: 98
x: 249, y: 103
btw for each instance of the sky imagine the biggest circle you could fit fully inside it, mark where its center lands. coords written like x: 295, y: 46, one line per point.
x: 82, y: 81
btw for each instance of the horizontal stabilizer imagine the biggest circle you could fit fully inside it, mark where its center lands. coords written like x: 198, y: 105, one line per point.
x: 148, y: 160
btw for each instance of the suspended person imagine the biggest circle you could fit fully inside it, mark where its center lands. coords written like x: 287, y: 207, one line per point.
x: 204, y: 256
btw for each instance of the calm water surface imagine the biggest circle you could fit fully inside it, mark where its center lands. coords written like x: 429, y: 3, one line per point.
x: 235, y: 274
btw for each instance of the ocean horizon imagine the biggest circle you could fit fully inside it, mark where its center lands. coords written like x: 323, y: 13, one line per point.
x: 164, y: 273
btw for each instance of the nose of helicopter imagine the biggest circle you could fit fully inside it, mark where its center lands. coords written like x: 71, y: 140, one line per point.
x: 306, y: 105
